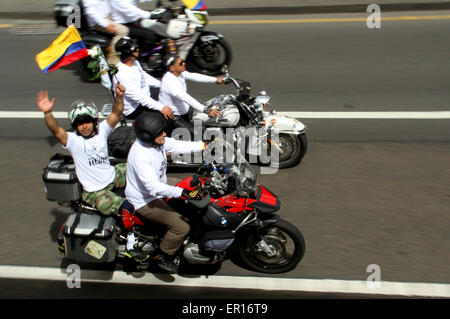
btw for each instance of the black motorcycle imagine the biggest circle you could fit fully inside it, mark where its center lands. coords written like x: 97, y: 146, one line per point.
x: 204, y: 51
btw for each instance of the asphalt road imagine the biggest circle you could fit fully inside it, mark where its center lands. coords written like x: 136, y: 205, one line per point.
x: 368, y: 191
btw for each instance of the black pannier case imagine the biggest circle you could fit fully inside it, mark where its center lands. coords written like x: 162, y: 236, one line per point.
x: 90, y: 238
x: 60, y: 180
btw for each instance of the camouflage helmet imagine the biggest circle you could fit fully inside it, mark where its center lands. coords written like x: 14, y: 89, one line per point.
x: 83, y: 112
x: 81, y: 109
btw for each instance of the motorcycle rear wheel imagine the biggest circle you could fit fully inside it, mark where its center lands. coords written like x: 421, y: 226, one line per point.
x: 285, y: 241
x: 209, y: 58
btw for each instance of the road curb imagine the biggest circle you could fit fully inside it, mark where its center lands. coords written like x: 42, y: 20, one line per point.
x: 352, y: 8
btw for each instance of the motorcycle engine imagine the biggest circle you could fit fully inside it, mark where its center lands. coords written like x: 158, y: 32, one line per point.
x: 192, y: 254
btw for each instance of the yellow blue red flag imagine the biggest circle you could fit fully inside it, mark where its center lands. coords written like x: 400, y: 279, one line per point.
x: 195, y: 4
x: 67, y: 48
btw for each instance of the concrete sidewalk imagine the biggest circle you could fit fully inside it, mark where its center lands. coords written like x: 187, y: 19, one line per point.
x: 43, y: 9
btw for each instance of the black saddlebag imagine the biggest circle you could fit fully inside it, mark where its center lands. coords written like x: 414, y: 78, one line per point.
x: 120, y: 141
x: 60, y: 180
x: 90, y: 238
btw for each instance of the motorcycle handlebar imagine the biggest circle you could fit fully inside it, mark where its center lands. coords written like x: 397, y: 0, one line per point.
x: 229, y: 79
x: 200, y: 203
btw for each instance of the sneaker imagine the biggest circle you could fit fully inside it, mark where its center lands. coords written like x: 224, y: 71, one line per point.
x: 167, y: 264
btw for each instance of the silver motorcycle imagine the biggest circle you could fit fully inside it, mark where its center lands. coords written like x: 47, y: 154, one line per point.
x: 265, y: 137
x: 262, y: 133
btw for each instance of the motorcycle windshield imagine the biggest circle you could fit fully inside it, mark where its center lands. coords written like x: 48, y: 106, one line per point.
x: 222, y: 154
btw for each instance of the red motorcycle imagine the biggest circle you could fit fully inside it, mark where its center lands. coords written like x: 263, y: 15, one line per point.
x: 231, y: 215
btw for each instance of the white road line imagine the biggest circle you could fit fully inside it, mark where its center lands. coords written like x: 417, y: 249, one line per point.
x: 371, y: 115
x: 29, y: 115
x: 433, y: 115
x: 231, y: 282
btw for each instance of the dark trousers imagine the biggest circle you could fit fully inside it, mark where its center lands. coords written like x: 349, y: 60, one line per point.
x: 183, y: 121
x: 158, y: 212
x: 179, y: 121
x: 139, y: 110
x: 147, y: 39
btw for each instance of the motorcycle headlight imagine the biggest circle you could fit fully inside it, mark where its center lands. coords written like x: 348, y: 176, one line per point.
x: 203, y: 18
x: 64, y: 9
x: 262, y: 101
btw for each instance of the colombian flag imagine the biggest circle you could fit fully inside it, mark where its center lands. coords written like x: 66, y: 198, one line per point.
x: 67, y: 48
x: 195, y: 4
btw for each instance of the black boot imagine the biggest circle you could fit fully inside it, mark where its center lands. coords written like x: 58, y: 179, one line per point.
x: 166, y: 262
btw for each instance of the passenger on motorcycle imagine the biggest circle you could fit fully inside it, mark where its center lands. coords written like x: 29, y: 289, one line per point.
x: 127, y: 13
x: 147, y: 184
x: 137, y: 82
x: 88, y: 147
x: 173, y: 91
x: 98, y: 13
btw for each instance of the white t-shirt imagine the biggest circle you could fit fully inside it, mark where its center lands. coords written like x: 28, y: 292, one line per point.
x: 91, y: 158
x: 137, y: 84
x: 126, y: 11
x: 97, y: 12
x: 146, y: 171
x: 173, y: 91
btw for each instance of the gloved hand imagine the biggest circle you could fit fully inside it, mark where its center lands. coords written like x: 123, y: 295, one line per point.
x: 148, y: 23
x: 191, y: 194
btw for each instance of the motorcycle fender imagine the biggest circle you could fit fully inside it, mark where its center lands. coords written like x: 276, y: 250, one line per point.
x: 210, y: 37
x: 272, y: 219
x: 284, y: 124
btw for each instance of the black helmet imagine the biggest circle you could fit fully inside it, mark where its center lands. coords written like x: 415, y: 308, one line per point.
x: 170, y: 59
x: 148, y: 125
x: 125, y: 47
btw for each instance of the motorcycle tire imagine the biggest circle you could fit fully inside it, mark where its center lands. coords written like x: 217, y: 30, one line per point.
x: 284, y: 238
x: 209, y: 58
x: 294, y: 147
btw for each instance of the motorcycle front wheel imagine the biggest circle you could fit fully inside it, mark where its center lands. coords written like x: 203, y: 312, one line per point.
x: 274, y: 249
x: 292, y: 149
x: 209, y: 58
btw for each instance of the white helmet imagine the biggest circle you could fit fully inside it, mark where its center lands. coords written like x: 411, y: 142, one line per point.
x: 83, y: 111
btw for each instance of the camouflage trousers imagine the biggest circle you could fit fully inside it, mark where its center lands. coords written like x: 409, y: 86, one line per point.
x: 105, y: 200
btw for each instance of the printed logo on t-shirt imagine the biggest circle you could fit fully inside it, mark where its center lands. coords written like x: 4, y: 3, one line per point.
x: 97, y: 153
x: 98, y: 161
x: 163, y: 169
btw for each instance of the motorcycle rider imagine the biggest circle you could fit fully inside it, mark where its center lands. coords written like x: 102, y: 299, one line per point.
x: 127, y: 13
x: 98, y: 13
x: 173, y: 91
x: 137, y: 82
x: 147, y: 183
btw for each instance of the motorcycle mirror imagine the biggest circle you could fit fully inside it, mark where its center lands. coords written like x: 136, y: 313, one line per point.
x: 195, y: 181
